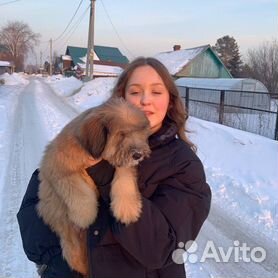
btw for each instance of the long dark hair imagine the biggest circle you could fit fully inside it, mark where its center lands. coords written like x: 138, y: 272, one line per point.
x: 176, y: 110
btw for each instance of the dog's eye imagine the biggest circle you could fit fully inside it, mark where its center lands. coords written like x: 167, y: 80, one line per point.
x: 122, y: 134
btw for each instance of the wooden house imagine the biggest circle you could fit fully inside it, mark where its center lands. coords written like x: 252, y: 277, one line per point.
x: 108, y: 61
x: 197, y: 62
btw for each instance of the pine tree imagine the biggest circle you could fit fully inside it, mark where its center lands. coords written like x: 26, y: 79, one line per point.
x: 228, y: 51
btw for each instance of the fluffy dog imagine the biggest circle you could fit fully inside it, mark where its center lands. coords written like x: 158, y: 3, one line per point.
x: 115, y: 131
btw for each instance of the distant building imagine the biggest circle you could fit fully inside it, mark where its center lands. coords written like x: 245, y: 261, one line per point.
x: 108, y: 61
x: 6, y: 64
x: 197, y: 62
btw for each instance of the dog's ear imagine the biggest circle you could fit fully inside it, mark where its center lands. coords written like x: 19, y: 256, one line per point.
x: 93, y: 135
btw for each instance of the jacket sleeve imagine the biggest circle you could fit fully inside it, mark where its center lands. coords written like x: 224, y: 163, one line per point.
x: 40, y: 244
x: 173, y: 214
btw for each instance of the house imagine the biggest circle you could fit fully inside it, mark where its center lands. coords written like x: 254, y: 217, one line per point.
x: 6, y: 65
x: 100, y: 70
x: 108, y: 61
x: 197, y: 62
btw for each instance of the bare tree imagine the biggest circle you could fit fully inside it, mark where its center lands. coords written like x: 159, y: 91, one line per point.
x: 19, y: 39
x: 263, y: 65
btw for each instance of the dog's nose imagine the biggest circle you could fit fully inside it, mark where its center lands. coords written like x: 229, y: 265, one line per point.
x: 136, y: 156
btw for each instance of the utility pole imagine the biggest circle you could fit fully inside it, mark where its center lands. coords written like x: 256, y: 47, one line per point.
x: 41, y: 66
x: 90, y: 49
x: 50, y: 69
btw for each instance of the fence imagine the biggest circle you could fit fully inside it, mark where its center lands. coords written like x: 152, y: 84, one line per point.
x: 255, y: 112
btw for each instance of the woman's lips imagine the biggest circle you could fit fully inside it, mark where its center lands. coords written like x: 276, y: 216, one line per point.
x: 148, y: 113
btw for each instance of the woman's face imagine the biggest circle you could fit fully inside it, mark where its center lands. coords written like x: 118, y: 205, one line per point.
x: 146, y: 90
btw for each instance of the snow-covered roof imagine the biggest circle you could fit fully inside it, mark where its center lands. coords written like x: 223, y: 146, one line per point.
x: 84, y: 58
x: 239, y: 84
x: 176, y: 60
x: 5, y: 64
x: 66, y: 58
x: 104, y: 70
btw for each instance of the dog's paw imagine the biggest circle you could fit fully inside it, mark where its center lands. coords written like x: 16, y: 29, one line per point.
x: 126, y: 209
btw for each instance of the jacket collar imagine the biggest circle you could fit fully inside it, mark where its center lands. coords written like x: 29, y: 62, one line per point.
x: 164, y: 135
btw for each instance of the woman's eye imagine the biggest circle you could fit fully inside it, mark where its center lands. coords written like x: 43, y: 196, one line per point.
x: 157, y: 93
x: 134, y: 93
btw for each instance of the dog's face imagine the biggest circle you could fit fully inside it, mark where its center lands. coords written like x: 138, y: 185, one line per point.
x: 118, y: 132
x: 127, y: 146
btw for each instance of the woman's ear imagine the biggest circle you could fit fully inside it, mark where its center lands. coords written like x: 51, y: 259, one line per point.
x: 93, y: 135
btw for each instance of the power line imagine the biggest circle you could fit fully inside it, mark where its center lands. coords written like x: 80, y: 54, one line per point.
x: 120, y: 39
x: 73, y: 28
x: 70, y: 21
x: 2, y: 4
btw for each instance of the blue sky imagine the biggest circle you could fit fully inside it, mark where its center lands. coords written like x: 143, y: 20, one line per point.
x: 147, y: 27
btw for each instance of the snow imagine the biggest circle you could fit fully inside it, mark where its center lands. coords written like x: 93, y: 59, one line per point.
x: 100, y: 70
x: 93, y: 93
x: 104, y: 70
x: 241, y: 84
x: 250, y: 164
x: 64, y: 86
x: 14, y: 79
x: 176, y: 60
x: 66, y: 58
x: 241, y: 169
x: 5, y: 64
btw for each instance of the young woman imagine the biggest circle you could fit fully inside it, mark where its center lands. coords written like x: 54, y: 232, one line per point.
x: 175, y: 195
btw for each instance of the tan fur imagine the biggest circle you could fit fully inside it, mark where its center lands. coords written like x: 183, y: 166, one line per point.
x: 114, y: 131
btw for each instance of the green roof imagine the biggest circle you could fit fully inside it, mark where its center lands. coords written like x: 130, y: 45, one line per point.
x: 76, y: 53
x: 110, y: 54
x: 104, y: 53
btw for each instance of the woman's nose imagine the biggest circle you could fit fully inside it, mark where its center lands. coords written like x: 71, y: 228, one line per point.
x: 145, y: 99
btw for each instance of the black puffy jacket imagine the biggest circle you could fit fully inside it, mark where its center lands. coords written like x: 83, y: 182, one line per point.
x: 176, y: 202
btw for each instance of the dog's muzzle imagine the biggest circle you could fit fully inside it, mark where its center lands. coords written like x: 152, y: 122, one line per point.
x: 137, y: 155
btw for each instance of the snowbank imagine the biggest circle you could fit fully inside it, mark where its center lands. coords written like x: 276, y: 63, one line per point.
x: 14, y: 79
x: 64, y: 86
x: 241, y: 168
x: 93, y: 93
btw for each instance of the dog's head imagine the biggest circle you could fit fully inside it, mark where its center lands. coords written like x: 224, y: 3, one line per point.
x: 118, y: 132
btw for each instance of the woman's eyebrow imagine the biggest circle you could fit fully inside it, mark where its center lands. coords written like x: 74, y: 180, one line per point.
x: 134, y: 84
x: 156, y: 84
x: 140, y: 85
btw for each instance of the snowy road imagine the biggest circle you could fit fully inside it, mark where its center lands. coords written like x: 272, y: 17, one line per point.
x: 224, y: 230
x: 36, y: 104
x: 35, y: 109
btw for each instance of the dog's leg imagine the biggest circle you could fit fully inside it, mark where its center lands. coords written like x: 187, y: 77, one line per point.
x: 55, y: 213
x: 125, y: 196
x: 74, y: 246
x: 80, y: 195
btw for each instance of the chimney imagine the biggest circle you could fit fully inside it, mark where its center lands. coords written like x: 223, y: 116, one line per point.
x: 177, y: 47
